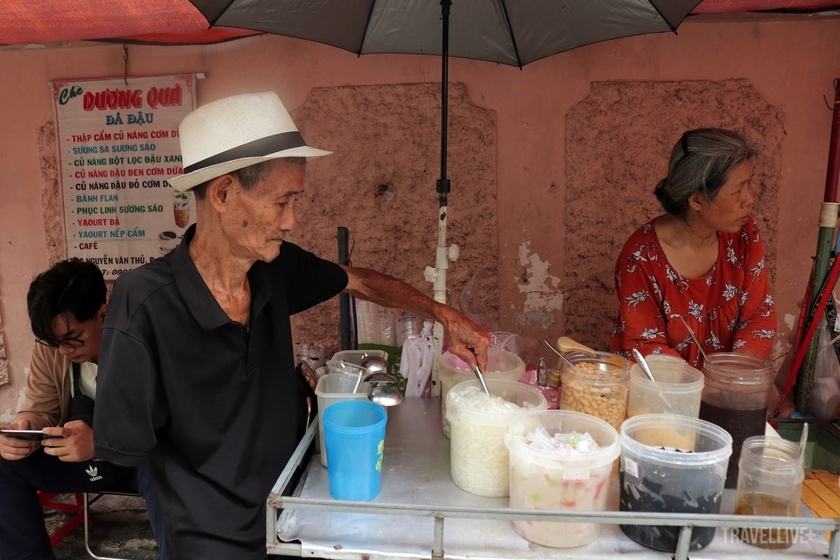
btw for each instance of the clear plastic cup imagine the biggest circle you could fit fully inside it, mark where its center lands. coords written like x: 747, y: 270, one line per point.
x: 479, y: 458
x: 546, y: 480
x: 501, y: 365
x: 672, y: 464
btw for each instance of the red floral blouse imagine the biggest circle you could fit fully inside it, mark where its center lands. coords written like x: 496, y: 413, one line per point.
x: 728, y: 308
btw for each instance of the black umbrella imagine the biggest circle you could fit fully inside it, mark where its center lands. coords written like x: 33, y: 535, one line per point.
x: 513, y: 32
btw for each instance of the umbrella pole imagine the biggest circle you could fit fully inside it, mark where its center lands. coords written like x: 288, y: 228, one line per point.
x: 828, y: 221
x: 437, y: 275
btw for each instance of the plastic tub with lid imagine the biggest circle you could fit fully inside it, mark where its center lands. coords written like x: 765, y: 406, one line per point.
x: 548, y: 479
x: 479, y: 458
x: 672, y: 464
x: 501, y: 365
x: 677, y: 389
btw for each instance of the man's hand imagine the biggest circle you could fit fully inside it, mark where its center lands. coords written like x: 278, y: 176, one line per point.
x: 14, y: 449
x: 466, y: 340
x: 72, y: 443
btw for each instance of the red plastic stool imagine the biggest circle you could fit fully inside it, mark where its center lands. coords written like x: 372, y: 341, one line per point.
x: 47, y: 501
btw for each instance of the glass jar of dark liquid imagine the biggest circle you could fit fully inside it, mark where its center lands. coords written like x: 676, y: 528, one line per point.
x: 735, y: 398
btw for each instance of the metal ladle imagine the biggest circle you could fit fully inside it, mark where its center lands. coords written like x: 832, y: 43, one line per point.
x: 384, y: 395
x: 372, y: 364
x: 379, y: 392
x: 374, y: 378
x: 643, y: 365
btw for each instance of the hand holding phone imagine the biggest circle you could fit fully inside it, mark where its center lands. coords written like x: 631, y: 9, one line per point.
x: 12, y: 447
x: 23, y: 434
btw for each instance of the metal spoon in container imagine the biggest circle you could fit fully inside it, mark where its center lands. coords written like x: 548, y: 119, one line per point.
x: 556, y: 351
x: 694, y: 338
x: 480, y: 376
x: 643, y: 365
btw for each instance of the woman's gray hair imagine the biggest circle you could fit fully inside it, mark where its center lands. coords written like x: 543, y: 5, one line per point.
x: 700, y: 162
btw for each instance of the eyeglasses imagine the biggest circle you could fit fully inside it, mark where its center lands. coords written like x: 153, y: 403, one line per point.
x: 66, y: 342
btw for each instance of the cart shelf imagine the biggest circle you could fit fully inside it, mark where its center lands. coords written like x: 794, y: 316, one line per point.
x: 418, y: 500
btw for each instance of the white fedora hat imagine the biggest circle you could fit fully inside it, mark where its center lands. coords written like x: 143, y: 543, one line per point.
x: 236, y: 132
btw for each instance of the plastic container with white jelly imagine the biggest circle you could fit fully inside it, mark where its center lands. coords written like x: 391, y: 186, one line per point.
x: 555, y: 466
x: 479, y: 458
x: 501, y: 365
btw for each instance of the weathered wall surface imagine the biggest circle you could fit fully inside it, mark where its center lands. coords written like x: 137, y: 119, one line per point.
x: 380, y: 184
x: 619, y: 141
x: 789, y: 62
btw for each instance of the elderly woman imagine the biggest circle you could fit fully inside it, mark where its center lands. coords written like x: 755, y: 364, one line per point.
x: 702, y: 262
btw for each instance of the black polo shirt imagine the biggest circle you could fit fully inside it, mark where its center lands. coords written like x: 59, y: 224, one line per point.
x: 215, y: 408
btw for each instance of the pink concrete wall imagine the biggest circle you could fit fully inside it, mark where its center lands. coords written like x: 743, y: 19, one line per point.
x: 789, y: 62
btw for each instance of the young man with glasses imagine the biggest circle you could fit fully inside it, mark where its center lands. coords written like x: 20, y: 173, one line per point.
x: 66, y: 306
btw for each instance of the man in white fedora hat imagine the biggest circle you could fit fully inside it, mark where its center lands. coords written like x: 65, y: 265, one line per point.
x: 197, y: 368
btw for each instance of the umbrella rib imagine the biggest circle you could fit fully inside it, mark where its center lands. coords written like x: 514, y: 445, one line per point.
x: 658, y: 11
x: 220, y: 12
x: 510, y: 31
x: 367, y: 24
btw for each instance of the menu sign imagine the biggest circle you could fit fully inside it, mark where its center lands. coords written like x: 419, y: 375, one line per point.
x: 118, y: 145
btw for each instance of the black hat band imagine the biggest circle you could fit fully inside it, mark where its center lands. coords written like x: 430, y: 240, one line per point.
x: 257, y: 148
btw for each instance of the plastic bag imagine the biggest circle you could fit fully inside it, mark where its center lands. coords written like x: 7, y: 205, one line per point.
x: 471, y: 302
x: 418, y: 354
x: 525, y: 347
x: 825, y: 393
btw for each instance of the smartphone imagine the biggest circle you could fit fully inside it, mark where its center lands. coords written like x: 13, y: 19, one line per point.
x: 24, y: 434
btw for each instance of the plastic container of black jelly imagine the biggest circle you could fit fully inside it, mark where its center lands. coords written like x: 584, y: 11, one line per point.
x: 672, y: 464
x: 735, y: 396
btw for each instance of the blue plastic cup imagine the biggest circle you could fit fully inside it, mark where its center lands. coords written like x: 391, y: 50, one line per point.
x: 354, y: 434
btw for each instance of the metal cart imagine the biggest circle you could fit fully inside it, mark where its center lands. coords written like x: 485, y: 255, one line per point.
x: 417, y: 499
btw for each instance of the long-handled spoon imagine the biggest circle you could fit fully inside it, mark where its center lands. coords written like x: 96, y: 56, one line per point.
x: 556, y: 351
x: 481, y: 379
x: 694, y: 338
x: 643, y: 365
